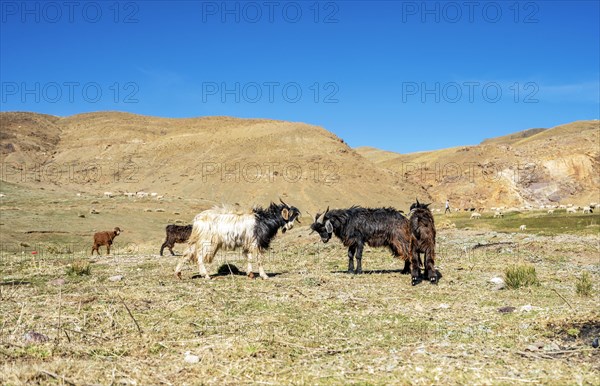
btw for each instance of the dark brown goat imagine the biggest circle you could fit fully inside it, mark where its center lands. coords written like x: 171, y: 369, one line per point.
x: 176, y: 234
x: 423, y: 230
x: 105, y: 238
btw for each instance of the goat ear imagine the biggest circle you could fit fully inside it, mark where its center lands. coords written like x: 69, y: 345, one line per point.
x: 328, y: 226
x: 285, y: 214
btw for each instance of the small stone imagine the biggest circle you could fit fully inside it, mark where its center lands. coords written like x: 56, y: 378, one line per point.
x: 535, y: 346
x: 35, y: 337
x: 116, y: 278
x: 190, y: 358
x: 526, y: 308
x: 58, y: 282
x: 443, y: 306
x: 551, y: 347
x: 497, y: 280
x: 506, y: 310
x: 499, y: 287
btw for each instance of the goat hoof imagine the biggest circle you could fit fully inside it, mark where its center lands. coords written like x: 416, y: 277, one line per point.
x: 415, y: 281
x: 350, y: 271
x: 405, y: 271
x: 433, y: 280
x: 178, y: 274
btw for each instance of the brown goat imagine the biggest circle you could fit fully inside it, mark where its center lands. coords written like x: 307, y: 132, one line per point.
x: 105, y: 238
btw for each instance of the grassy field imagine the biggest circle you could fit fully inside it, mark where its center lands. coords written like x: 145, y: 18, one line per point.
x: 310, y: 323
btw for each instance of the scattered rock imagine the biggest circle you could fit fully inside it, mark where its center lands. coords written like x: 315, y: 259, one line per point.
x: 58, y: 282
x: 35, y: 337
x: 443, y: 306
x: 526, y: 308
x: 116, y: 278
x: 497, y: 280
x: 81, y: 215
x: 147, y: 210
x: 535, y: 346
x: 190, y: 358
x: 94, y: 211
x: 24, y: 245
x: 159, y: 210
x: 506, y: 310
x: 551, y: 347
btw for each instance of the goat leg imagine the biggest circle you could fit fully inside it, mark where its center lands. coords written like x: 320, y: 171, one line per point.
x: 359, y: 250
x: 351, y: 251
x: 415, y: 266
x: 430, y: 266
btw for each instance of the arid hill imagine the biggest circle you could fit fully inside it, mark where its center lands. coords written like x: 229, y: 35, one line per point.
x: 531, y: 167
x: 212, y: 160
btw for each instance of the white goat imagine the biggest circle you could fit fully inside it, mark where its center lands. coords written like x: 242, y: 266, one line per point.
x: 228, y: 229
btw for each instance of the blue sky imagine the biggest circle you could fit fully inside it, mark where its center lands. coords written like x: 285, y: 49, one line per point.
x: 403, y: 76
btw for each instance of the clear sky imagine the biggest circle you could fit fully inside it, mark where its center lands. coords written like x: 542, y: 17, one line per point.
x: 399, y: 75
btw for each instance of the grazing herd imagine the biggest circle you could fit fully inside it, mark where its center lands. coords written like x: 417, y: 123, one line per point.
x: 407, y: 236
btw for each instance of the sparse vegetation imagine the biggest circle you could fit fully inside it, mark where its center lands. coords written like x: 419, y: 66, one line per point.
x: 518, y: 276
x: 584, y: 285
x: 79, y: 268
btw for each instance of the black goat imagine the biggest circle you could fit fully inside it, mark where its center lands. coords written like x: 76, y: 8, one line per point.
x: 175, y: 234
x: 422, y: 227
x: 357, y: 226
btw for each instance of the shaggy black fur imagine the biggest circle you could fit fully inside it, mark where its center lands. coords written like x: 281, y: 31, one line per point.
x: 175, y: 234
x: 423, y: 229
x: 270, y: 220
x: 357, y: 226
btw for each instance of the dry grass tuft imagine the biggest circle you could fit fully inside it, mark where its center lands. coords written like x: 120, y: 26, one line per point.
x: 79, y: 268
x: 521, y: 276
x: 584, y: 285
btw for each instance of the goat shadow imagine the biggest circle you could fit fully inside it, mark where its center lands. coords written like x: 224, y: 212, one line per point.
x: 230, y: 269
x: 438, y: 274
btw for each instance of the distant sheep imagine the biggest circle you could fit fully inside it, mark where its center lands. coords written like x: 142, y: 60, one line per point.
x: 475, y: 215
x: 523, y: 227
x: 141, y: 194
x: 498, y: 214
x: 550, y: 211
x: 572, y: 210
x: 105, y: 238
x: 108, y: 194
x: 587, y: 209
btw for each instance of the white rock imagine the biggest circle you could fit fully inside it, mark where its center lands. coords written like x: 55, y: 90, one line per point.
x: 190, y: 358
x: 526, y: 308
x: 497, y: 280
x: 116, y: 278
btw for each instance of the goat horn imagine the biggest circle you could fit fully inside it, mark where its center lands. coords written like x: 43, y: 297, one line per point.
x: 283, y: 202
x: 322, y: 217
